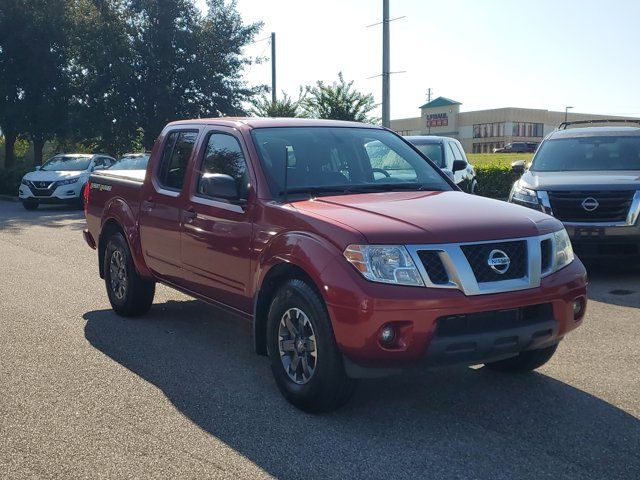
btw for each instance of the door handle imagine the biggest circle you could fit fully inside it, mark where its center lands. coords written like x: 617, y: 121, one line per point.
x: 189, y: 215
x: 148, y: 205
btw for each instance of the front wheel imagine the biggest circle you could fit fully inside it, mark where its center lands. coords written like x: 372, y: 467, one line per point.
x: 305, y: 360
x: 29, y: 204
x: 524, y: 361
x: 129, y: 294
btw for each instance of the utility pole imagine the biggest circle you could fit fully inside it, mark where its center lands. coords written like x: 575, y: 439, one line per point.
x: 566, y: 113
x: 428, y: 94
x: 273, y: 67
x: 385, y: 65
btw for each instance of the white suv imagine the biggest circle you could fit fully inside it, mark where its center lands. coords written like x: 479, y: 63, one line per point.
x: 61, y: 179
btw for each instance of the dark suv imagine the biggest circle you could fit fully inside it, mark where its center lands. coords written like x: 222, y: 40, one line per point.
x: 517, y: 147
x: 589, y: 178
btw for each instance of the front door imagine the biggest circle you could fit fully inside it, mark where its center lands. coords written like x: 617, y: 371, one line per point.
x: 161, y: 202
x: 216, y: 228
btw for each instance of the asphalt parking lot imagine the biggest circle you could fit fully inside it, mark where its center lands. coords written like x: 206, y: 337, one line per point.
x: 179, y: 393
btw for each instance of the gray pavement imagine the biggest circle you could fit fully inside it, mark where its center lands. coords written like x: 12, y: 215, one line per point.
x: 180, y: 394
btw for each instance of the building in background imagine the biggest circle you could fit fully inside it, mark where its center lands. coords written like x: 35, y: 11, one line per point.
x: 483, y: 130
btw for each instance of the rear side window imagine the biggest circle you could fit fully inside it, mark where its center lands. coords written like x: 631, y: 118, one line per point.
x: 175, y: 158
x: 224, y: 156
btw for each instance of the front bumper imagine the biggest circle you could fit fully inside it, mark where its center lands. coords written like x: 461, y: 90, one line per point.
x: 604, y: 241
x: 64, y: 194
x: 360, y: 309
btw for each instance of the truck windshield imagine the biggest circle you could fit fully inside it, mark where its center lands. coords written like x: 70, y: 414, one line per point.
x: 341, y: 160
x: 433, y: 151
x: 67, y: 163
x: 588, y: 154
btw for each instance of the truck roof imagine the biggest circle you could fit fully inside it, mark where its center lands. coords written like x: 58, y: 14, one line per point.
x: 260, y: 122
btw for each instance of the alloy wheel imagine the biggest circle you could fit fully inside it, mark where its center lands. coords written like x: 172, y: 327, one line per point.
x: 118, y: 274
x: 297, y: 345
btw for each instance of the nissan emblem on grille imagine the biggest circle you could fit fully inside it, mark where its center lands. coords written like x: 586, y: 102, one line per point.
x: 499, y: 261
x: 590, y: 204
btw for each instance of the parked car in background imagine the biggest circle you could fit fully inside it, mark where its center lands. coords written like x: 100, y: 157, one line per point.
x: 445, y: 152
x: 588, y: 177
x: 61, y: 179
x: 351, y: 255
x: 131, y: 161
x: 517, y: 147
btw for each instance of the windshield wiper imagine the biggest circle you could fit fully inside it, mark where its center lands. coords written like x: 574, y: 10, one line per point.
x: 389, y: 187
x: 316, y: 190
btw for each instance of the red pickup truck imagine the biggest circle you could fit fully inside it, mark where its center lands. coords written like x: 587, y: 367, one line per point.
x: 349, y: 250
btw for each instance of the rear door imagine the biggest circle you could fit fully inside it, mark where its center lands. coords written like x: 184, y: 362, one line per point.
x: 161, y: 201
x: 216, y: 231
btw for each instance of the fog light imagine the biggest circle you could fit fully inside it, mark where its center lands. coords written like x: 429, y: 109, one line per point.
x: 578, y: 306
x: 387, y: 334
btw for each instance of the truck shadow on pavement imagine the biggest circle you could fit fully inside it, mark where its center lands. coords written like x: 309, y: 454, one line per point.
x: 449, y: 423
x: 14, y: 218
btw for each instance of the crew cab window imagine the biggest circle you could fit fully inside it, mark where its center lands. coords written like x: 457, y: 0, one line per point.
x: 224, y: 156
x: 175, y: 158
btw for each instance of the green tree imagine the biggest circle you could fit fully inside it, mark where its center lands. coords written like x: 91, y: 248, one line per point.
x: 103, y: 112
x: 188, y: 65
x: 34, y: 48
x: 338, y: 101
x: 285, y: 106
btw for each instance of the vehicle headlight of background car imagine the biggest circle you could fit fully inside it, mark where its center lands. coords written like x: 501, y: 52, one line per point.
x: 384, y: 263
x: 524, y: 196
x: 69, y: 181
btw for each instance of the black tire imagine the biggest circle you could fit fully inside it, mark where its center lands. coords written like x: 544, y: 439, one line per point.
x: 80, y: 202
x: 328, y: 387
x: 29, y: 204
x: 525, y: 361
x: 134, y: 296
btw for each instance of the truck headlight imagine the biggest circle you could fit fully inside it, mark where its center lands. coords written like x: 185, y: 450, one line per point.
x: 384, y: 263
x: 563, y: 249
x: 66, y: 182
x: 523, y: 195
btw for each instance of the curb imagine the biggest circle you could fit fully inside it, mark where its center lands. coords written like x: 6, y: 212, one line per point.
x: 8, y: 198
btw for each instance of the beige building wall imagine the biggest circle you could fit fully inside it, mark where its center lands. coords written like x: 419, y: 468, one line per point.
x: 473, y: 129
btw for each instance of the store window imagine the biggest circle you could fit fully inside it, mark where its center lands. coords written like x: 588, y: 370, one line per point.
x: 527, y: 129
x: 489, y: 130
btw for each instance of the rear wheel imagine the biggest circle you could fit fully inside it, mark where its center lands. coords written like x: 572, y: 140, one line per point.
x: 129, y: 294
x: 305, y: 360
x: 524, y: 361
x: 30, y: 204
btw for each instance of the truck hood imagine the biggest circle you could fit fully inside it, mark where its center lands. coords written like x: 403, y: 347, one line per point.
x: 42, y: 176
x: 428, y: 217
x: 613, y: 180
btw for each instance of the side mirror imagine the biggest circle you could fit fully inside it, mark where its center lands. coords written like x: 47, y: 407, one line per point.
x: 459, y: 165
x: 449, y: 174
x: 219, y: 185
x: 518, y: 167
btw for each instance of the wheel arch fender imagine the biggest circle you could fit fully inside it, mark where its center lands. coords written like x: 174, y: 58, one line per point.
x: 119, y: 217
x: 291, y: 255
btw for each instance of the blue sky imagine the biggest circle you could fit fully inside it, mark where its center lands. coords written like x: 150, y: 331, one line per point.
x: 486, y: 54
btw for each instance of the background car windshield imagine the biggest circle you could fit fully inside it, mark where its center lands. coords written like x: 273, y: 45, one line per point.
x: 64, y: 163
x: 131, y: 162
x: 321, y: 157
x: 588, y: 154
x: 433, y: 151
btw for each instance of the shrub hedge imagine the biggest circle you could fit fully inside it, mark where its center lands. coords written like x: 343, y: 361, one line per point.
x: 10, y: 179
x: 495, y: 180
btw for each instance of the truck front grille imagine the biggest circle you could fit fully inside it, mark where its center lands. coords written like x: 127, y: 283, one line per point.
x: 41, y: 189
x: 612, y: 206
x: 434, y: 266
x: 478, y: 257
x: 493, y: 321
